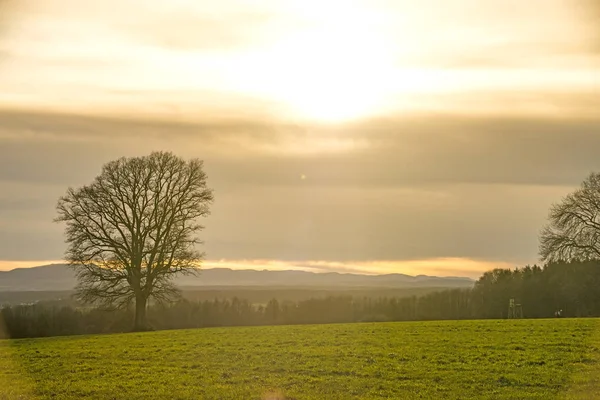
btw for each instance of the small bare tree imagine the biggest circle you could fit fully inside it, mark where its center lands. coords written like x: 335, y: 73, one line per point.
x: 573, y: 232
x: 134, y: 228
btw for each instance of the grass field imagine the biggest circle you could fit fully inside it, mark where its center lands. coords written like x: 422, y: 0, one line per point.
x: 520, y: 359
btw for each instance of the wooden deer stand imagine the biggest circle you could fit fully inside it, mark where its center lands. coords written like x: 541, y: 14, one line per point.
x: 514, y: 310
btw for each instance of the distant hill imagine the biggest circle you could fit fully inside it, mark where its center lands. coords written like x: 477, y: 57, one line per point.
x: 60, y: 277
x: 47, y: 277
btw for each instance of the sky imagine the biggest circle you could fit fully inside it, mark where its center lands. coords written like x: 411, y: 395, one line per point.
x: 373, y: 136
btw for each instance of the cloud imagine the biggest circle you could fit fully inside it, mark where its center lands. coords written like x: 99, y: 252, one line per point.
x: 10, y: 265
x: 433, y: 267
x: 395, y: 152
x: 590, y: 10
x: 490, y: 34
x: 6, y: 18
x: 401, y: 188
x: 186, y: 58
x: 462, y: 162
x: 178, y: 25
x: 197, y: 31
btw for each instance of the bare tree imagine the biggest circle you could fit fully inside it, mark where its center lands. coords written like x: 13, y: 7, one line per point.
x: 134, y: 228
x: 573, y: 232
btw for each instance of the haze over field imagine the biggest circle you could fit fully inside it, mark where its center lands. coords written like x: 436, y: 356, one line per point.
x: 61, y: 277
x: 369, y: 136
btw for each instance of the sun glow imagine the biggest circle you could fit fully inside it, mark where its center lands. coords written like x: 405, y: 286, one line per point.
x: 337, y: 67
x: 331, y: 78
x: 297, y: 60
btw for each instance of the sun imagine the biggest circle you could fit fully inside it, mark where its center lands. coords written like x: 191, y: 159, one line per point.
x: 336, y: 68
x: 331, y: 76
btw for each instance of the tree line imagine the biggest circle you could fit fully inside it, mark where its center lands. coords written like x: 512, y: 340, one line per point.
x: 570, y: 286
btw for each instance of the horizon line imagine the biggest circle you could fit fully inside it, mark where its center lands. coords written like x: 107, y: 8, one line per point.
x: 447, y: 267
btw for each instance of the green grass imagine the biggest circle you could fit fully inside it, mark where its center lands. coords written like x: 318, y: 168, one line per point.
x: 523, y: 359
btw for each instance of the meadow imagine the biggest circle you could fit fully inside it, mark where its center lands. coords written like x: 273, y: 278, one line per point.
x: 490, y: 359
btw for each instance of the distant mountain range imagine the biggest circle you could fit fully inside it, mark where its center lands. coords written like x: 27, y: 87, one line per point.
x: 61, y: 277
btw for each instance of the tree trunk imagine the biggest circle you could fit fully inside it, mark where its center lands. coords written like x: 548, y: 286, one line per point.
x: 140, y: 323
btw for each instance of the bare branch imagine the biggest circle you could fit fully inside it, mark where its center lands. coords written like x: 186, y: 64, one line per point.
x: 135, y: 227
x: 573, y: 231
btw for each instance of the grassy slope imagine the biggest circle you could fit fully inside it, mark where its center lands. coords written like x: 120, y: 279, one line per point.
x: 457, y: 359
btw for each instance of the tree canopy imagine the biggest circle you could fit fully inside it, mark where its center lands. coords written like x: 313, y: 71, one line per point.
x: 573, y: 231
x: 133, y: 228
